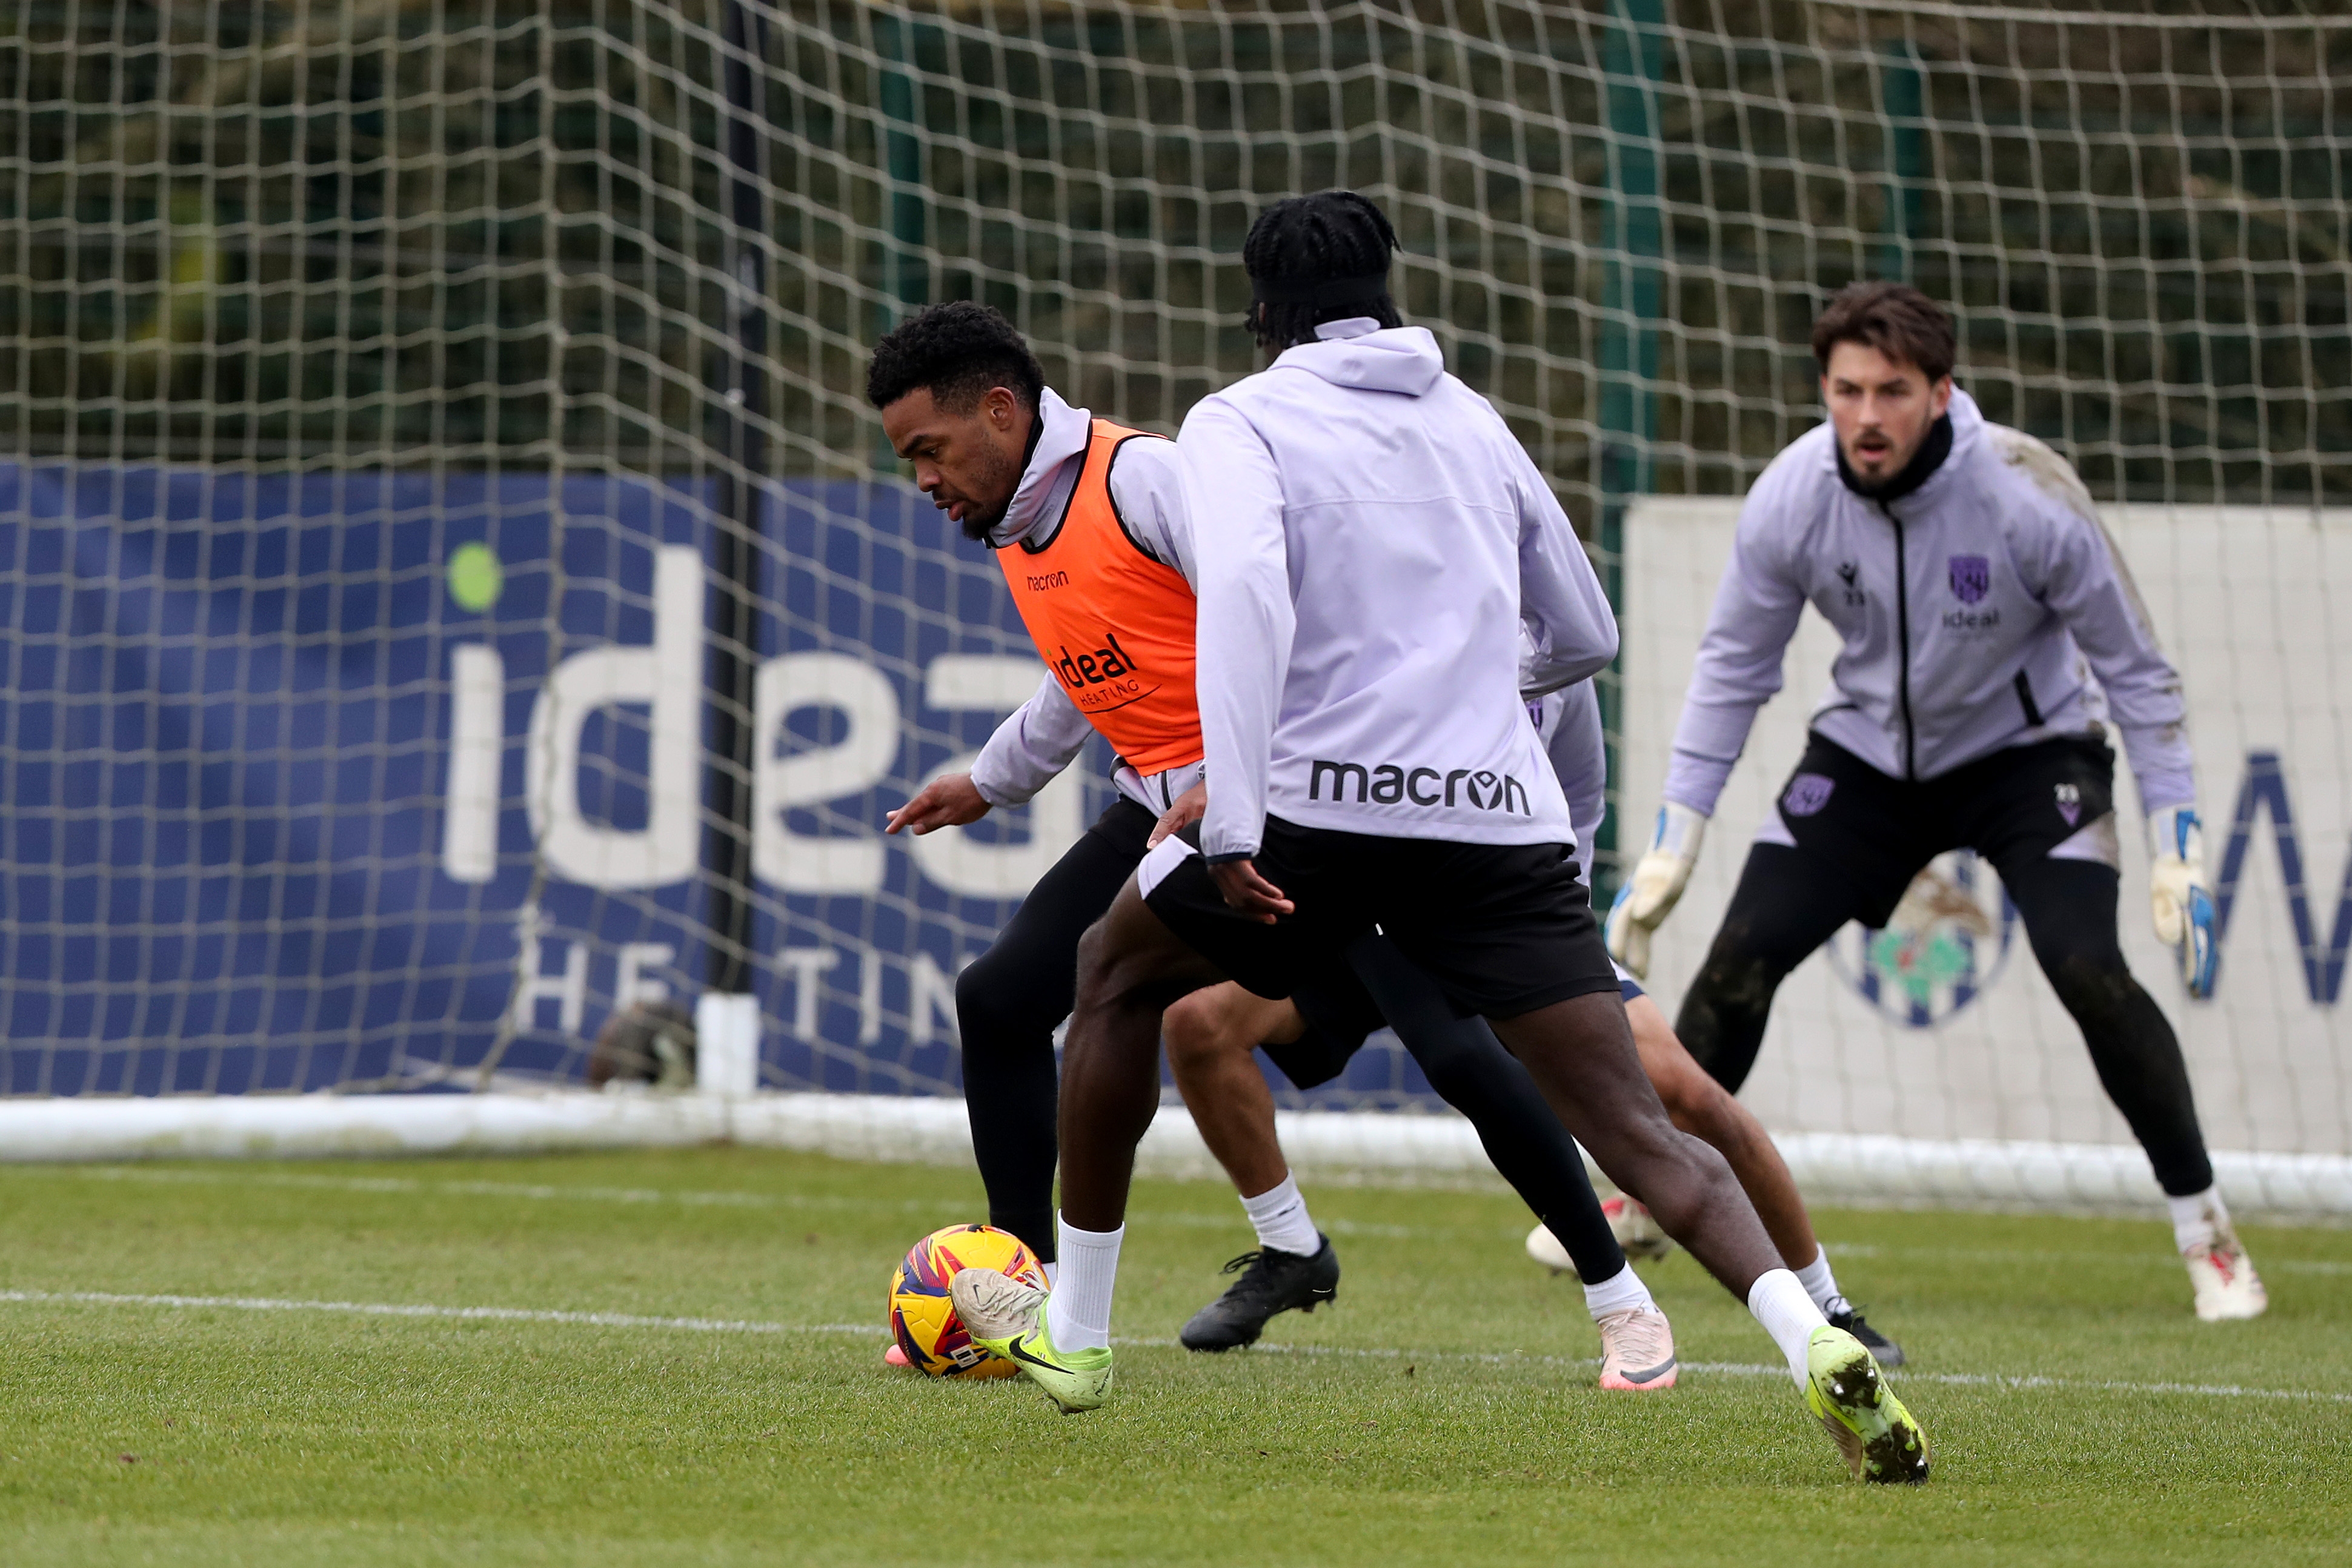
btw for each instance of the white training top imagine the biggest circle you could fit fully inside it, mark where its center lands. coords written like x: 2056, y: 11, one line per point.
x: 1369, y: 539
x: 1033, y: 745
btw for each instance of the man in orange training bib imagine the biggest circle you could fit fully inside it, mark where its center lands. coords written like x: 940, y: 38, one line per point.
x: 1086, y: 521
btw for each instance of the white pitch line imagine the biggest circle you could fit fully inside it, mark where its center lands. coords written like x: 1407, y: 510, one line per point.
x: 387, y: 1185
x: 753, y: 1326
x: 542, y: 1192
x: 550, y: 1191
x: 1759, y: 1369
x: 2145, y: 1260
x: 406, y: 1310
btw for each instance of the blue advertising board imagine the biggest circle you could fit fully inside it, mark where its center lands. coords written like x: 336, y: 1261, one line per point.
x: 393, y: 781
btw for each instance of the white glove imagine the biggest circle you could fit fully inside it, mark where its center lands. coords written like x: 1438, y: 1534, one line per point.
x: 1658, y: 879
x: 2182, y: 900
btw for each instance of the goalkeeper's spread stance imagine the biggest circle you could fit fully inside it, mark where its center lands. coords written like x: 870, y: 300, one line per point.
x: 1990, y: 628
x: 1370, y: 539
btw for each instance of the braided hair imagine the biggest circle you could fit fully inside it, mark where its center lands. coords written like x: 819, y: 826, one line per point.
x: 1318, y: 259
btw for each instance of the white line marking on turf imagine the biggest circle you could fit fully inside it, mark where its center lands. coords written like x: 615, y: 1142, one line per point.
x: 2145, y: 1260
x: 404, y: 1309
x: 692, y: 1198
x: 545, y: 1191
x: 870, y: 1330
x: 536, y: 1191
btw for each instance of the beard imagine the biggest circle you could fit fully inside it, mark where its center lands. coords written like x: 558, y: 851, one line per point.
x: 1892, y: 480
x: 997, y: 473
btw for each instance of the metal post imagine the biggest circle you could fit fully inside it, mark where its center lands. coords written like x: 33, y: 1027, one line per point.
x: 1904, y: 99
x: 732, y: 657
x: 906, y: 277
x: 1628, y: 361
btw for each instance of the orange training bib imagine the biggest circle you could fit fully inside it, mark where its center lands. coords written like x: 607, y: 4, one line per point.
x: 1113, y: 624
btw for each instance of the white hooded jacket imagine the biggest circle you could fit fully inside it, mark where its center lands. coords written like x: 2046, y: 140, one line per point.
x: 1368, y: 537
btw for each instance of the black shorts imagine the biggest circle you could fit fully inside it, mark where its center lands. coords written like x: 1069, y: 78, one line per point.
x: 1876, y: 832
x: 1124, y: 827
x: 1339, y: 1014
x: 1503, y: 929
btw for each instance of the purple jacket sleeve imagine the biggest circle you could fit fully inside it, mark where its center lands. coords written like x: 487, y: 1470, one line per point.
x: 2086, y: 583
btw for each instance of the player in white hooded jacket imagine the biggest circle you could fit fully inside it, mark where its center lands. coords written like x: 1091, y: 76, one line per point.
x: 1370, y: 538
x: 1991, y: 632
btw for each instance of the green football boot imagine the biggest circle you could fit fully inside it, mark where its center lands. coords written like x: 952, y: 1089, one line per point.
x: 1880, y: 1440
x: 1009, y: 1318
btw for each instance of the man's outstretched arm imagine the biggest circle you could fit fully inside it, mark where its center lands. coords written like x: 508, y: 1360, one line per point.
x: 1025, y: 754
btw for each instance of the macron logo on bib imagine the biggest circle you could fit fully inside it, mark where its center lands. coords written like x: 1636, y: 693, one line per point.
x: 1389, y: 784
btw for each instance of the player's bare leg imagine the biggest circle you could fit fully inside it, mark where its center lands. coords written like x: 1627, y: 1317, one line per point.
x: 1213, y: 1035
x: 1706, y: 1109
x: 1131, y: 968
x: 1582, y: 1054
x: 1212, y: 1038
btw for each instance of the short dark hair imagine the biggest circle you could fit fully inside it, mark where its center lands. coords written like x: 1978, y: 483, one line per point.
x: 1330, y: 236
x: 1896, y: 319
x: 957, y: 350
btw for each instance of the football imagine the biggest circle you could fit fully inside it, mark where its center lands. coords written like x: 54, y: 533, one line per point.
x: 923, y: 1320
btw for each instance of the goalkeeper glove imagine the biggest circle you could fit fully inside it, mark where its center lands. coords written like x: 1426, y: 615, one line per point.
x: 2183, y: 901
x: 1658, y: 879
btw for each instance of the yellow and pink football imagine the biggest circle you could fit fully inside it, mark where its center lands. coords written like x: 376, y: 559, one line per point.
x: 923, y: 1318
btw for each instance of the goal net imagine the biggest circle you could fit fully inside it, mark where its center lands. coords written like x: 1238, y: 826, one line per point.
x: 451, y: 588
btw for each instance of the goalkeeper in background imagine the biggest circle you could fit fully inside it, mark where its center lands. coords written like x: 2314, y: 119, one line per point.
x: 1990, y: 629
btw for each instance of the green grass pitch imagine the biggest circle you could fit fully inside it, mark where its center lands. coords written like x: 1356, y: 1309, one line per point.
x: 1444, y: 1412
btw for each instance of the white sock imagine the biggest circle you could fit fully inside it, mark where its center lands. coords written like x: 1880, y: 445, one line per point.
x: 1282, y: 1221
x: 1821, y: 1284
x: 1053, y: 1273
x: 2197, y: 1219
x: 1622, y: 1290
x: 1788, y: 1313
x: 1077, y: 1315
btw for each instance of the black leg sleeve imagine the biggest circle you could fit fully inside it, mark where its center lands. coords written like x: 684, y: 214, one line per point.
x: 2069, y: 908
x: 1009, y: 1001
x: 1470, y: 1068
x: 1786, y: 905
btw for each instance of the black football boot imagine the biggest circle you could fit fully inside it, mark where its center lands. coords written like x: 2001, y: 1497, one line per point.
x: 1270, y: 1282
x: 1887, y: 1351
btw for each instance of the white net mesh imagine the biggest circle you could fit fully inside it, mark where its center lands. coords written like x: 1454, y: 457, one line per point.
x: 449, y: 583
